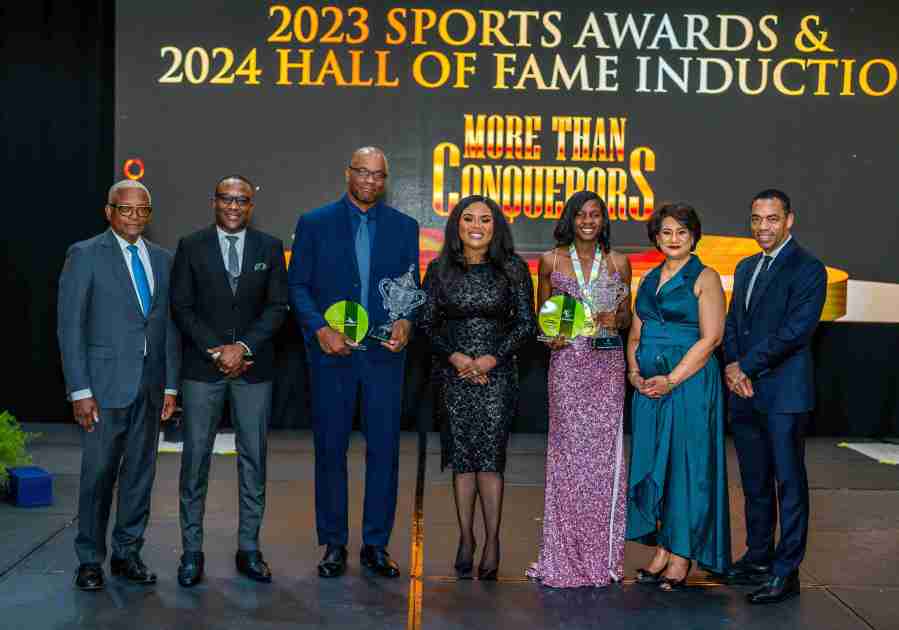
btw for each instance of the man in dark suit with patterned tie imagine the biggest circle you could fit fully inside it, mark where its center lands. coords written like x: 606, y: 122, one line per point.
x: 229, y: 298
x: 342, y: 251
x: 120, y: 357
x: 777, y: 301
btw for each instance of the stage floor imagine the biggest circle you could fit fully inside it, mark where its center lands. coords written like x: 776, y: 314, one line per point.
x: 850, y: 576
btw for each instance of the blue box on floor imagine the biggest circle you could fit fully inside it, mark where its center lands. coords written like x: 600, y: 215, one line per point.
x: 30, y: 486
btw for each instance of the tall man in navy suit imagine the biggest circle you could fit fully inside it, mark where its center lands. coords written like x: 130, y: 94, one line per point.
x: 777, y: 301
x: 120, y: 356
x: 341, y: 252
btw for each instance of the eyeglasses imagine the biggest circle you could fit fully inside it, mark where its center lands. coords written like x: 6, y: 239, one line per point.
x: 364, y: 173
x: 757, y: 221
x: 226, y: 200
x: 129, y: 211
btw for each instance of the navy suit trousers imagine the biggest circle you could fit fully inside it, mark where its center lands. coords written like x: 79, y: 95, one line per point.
x: 336, y: 390
x: 771, y: 450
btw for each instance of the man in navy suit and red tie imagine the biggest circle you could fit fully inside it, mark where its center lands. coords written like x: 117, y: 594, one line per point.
x: 777, y: 301
x: 342, y: 251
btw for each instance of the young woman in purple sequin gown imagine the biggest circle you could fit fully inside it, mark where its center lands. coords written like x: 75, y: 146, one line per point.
x: 586, y: 477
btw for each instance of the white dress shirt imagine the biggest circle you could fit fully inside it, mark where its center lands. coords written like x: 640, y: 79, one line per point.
x: 144, y: 254
x: 758, y: 267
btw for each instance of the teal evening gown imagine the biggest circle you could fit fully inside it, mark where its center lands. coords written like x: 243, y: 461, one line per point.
x: 678, y: 469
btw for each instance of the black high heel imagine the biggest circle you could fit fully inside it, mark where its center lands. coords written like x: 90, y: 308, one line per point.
x: 465, y: 570
x: 489, y: 574
x: 668, y: 585
x: 645, y: 576
x: 648, y: 577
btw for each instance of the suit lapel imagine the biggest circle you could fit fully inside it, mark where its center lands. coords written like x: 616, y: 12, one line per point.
x: 763, y: 281
x: 120, y: 270
x: 345, y: 235
x: 157, y: 261
x: 250, y: 255
x: 741, y: 283
x: 380, y: 246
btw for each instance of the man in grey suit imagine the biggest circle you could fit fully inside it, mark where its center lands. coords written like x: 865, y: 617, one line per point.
x: 121, y: 357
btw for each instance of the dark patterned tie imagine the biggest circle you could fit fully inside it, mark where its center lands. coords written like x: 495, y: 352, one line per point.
x: 233, y: 263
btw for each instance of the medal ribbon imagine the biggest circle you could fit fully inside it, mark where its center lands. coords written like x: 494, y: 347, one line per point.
x: 585, y: 294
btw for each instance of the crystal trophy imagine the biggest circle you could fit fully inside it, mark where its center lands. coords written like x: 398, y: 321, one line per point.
x: 401, y: 296
x: 604, y: 295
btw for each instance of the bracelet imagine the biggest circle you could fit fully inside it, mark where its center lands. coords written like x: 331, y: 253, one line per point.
x: 669, y: 382
x: 637, y: 372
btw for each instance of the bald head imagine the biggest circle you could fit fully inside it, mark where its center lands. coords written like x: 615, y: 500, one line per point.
x: 126, y: 184
x: 362, y: 153
x: 366, y: 176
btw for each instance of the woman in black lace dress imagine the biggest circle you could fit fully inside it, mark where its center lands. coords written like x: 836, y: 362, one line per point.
x: 478, y: 314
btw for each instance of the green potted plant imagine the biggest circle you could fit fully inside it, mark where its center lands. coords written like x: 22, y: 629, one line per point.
x: 13, y: 441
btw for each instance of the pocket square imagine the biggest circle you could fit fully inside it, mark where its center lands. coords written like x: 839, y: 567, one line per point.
x: 260, y: 267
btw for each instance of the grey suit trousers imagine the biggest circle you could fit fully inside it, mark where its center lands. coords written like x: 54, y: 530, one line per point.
x: 251, y: 405
x: 122, y: 446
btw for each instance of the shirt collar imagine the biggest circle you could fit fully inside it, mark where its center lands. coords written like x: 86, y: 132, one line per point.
x: 774, y: 254
x: 223, y: 234
x: 141, y: 246
x: 372, y: 212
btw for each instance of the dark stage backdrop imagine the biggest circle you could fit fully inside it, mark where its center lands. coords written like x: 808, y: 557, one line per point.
x: 832, y: 150
x: 58, y: 136
x: 526, y: 100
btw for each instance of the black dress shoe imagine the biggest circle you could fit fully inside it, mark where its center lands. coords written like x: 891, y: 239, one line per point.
x: 132, y: 569
x: 190, y: 571
x: 744, y: 571
x: 378, y: 560
x: 777, y: 589
x: 333, y: 564
x: 89, y: 577
x: 251, y: 564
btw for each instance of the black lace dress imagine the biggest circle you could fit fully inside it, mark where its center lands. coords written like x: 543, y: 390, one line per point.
x: 481, y: 313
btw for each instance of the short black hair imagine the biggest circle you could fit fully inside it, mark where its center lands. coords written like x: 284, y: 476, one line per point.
x: 240, y: 178
x: 564, y: 230
x: 774, y: 193
x: 683, y: 213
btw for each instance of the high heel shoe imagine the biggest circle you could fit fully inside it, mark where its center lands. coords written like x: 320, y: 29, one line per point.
x: 644, y: 576
x: 668, y: 585
x: 465, y: 569
x: 485, y: 574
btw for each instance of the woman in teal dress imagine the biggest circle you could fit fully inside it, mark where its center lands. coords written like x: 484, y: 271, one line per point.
x: 677, y: 493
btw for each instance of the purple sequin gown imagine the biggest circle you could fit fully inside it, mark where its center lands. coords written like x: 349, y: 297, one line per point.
x: 586, y: 477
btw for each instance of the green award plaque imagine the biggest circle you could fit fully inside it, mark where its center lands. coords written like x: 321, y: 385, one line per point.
x: 349, y: 318
x: 562, y: 316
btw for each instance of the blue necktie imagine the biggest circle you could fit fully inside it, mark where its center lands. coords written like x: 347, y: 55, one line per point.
x: 140, y: 279
x: 363, y: 258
